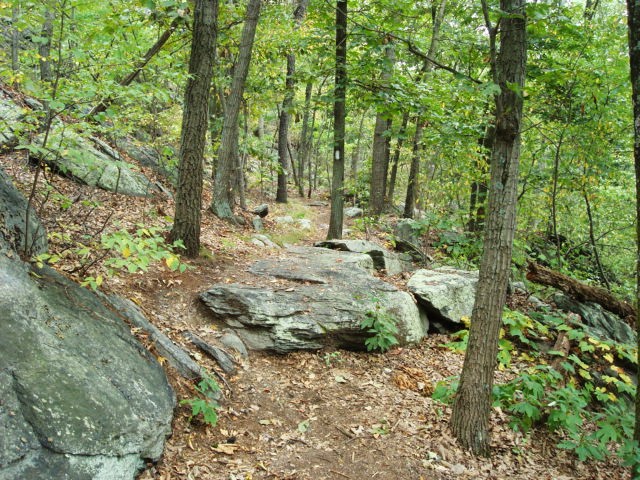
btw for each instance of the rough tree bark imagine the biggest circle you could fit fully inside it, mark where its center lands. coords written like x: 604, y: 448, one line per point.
x: 414, y: 170
x: 380, y: 157
x: 223, y: 195
x: 472, y: 404
x: 306, y: 138
x: 44, y: 49
x: 396, y: 160
x: 579, y: 291
x: 633, y: 19
x: 289, y: 92
x: 337, y: 194
x: 188, y: 199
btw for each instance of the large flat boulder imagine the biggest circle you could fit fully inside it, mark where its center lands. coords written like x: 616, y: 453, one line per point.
x: 322, y: 302
x: 383, y: 259
x: 446, y: 294
x: 80, y: 398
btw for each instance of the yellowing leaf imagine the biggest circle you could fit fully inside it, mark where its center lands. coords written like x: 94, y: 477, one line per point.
x: 172, y: 262
x: 584, y: 374
x: 608, y: 357
x: 126, y: 252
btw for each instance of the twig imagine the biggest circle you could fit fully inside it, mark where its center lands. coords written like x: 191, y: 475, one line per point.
x: 339, y: 473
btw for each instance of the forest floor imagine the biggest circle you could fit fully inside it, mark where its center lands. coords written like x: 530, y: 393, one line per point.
x: 326, y: 414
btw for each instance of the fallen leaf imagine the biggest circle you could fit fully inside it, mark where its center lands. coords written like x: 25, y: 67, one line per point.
x: 226, y: 448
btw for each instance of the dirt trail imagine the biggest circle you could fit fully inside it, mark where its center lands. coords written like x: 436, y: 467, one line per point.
x: 308, y: 415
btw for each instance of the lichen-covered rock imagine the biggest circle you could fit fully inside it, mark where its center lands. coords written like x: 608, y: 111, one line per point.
x: 600, y: 322
x: 329, y: 295
x: 383, y: 259
x: 446, y: 294
x: 10, y: 115
x: 80, y: 398
x: 78, y: 158
x: 18, y: 232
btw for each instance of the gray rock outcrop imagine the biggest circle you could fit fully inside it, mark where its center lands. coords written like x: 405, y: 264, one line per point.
x: 353, y: 212
x: 326, y: 296
x: 17, y: 232
x: 600, y: 322
x: 446, y: 294
x: 383, y: 259
x: 80, y: 398
x: 79, y: 159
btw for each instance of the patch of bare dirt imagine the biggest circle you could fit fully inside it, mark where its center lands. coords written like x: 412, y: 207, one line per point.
x: 308, y: 415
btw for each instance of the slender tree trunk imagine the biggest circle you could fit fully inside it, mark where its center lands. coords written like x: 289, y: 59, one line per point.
x: 380, y: 157
x: 155, y: 48
x: 414, y: 171
x: 188, y: 200
x: 396, y: 159
x: 472, y: 405
x: 15, y: 40
x: 44, y: 49
x: 306, y: 138
x: 337, y: 193
x: 633, y: 18
x: 477, y: 204
x: 289, y: 92
x: 357, y: 151
x: 411, y: 198
x: 223, y: 196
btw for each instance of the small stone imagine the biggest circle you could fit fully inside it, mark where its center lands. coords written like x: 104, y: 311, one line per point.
x: 261, y: 210
x: 353, y: 212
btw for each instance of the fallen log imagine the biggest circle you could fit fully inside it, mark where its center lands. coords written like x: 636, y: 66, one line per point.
x: 581, y: 291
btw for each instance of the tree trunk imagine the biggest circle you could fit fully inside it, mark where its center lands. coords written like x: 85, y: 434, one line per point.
x: 579, y: 291
x: 477, y: 204
x: 337, y: 193
x: 414, y: 171
x: 633, y: 19
x: 472, y: 405
x: 380, y: 157
x: 15, y: 41
x: 396, y: 159
x: 188, y: 200
x: 223, y: 195
x: 412, y: 184
x: 155, y: 48
x: 44, y: 49
x: 306, y: 138
x: 289, y: 92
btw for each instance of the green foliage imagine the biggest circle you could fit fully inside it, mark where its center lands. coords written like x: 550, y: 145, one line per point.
x: 331, y: 358
x: 136, y: 251
x: 582, y: 396
x: 382, y: 326
x: 119, y: 252
x: 207, y: 403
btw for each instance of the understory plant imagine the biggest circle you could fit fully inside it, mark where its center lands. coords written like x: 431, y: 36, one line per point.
x: 581, y: 392
x: 382, y: 327
x: 206, y: 404
x: 119, y: 252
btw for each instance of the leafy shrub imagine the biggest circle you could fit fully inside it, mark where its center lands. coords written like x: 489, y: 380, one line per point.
x: 584, y: 397
x: 382, y: 326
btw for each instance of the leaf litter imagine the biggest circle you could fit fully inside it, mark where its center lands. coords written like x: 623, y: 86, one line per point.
x: 306, y: 415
